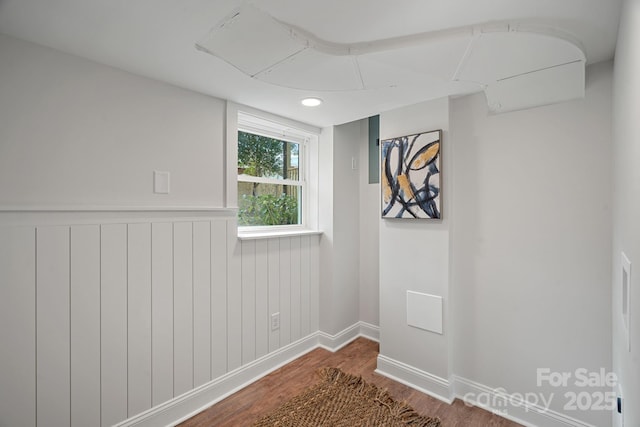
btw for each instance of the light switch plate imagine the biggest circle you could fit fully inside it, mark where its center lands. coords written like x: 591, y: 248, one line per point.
x: 160, y: 182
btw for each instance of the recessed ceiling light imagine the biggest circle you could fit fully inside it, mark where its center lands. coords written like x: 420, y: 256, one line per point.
x: 311, y: 102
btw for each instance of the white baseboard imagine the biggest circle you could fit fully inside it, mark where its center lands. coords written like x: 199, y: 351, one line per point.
x: 344, y: 337
x: 189, y: 404
x: 510, y: 406
x: 425, y: 382
x: 194, y: 401
x: 369, y: 331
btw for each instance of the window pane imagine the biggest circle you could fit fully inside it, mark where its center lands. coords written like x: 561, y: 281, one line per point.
x: 267, y: 157
x: 268, y: 204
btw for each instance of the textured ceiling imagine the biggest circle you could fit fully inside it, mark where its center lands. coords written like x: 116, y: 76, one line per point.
x: 157, y: 39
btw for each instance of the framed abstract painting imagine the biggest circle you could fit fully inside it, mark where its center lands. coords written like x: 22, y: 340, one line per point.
x: 410, y: 176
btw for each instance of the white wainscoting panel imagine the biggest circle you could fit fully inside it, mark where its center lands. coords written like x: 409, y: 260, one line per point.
x: 182, y: 307
x: 104, y: 319
x: 285, y: 291
x: 201, y: 303
x: 114, y: 320
x: 53, y: 370
x: 139, y: 318
x: 85, y: 325
x: 248, y: 301
x: 18, y: 326
x: 161, y: 312
x: 295, y: 289
x: 234, y: 298
x: 219, y: 253
x: 273, y: 259
x: 261, y: 298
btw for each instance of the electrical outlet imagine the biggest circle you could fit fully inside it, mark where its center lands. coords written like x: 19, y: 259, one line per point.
x: 275, y: 321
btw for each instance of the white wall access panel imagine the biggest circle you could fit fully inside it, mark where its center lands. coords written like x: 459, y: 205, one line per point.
x: 424, y: 311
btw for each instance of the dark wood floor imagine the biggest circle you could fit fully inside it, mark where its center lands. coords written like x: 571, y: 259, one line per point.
x: 358, y: 358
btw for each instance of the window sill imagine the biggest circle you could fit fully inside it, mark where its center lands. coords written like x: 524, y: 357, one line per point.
x: 255, y: 235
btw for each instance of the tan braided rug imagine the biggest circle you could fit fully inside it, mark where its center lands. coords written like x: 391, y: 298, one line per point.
x: 342, y: 399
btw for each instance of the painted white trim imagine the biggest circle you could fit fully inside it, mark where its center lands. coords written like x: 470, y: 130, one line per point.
x: 425, y: 382
x: 108, y: 215
x: 242, y: 235
x: 110, y: 208
x: 336, y: 342
x: 261, y: 114
x: 510, y: 406
x: 308, y: 167
x: 369, y: 331
x: 195, y: 401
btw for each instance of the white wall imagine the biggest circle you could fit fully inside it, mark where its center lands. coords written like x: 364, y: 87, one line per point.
x: 414, y: 255
x: 349, y: 216
x: 74, y: 132
x: 106, y: 313
x: 369, y: 235
x: 531, y: 214
x: 626, y: 206
x: 339, y: 222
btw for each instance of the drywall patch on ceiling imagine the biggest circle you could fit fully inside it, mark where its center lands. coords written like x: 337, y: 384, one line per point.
x: 517, y: 68
x: 251, y: 40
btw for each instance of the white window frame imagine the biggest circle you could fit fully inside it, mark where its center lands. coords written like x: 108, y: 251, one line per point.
x: 241, y: 118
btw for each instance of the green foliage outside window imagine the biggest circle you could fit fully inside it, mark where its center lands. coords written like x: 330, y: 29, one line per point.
x: 260, y: 203
x: 267, y: 209
x: 259, y: 155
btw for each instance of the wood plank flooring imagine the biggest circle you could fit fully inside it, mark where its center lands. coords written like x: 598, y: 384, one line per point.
x: 358, y: 358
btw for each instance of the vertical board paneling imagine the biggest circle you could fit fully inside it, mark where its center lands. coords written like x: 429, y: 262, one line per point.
x: 234, y: 297
x: 201, y: 302
x: 304, y: 286
x: 125, y: 317
x: 295, y: 288
x: 285, y: 291
x: 113, y: 289
x: 161, y: 312
x: 18, y: 326
x: 218, y: 298
x: 273, y: 258
x: 183, y: 307
x: 262, y: 299
x: 248, y: 301
x: 139, y: 315
x: 53, y: 326
x: 314, y: 283
x: 85, y: 325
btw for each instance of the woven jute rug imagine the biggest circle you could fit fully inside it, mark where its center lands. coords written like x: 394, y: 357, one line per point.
x: 342, y: 399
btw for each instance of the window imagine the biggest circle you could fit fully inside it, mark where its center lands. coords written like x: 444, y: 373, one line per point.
x: 272, y: 174
x: 270, y: 188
